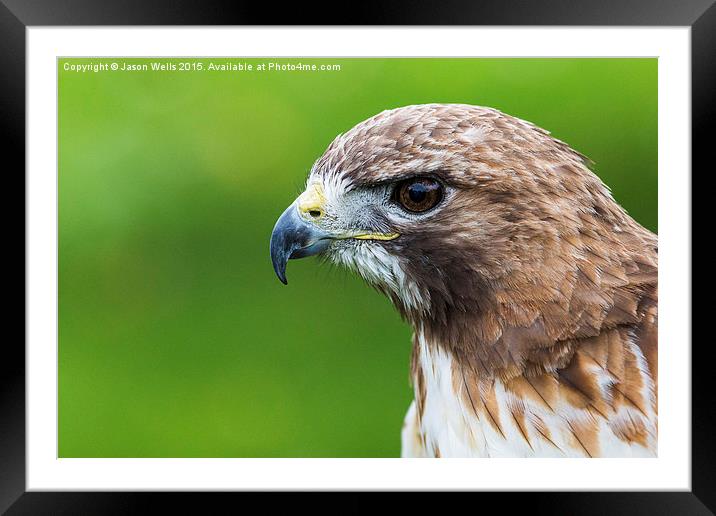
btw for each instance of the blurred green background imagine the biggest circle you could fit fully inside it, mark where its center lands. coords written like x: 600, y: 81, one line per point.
x: 175, y: 337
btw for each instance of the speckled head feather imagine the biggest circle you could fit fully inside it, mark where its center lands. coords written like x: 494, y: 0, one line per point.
x: 528, y: 282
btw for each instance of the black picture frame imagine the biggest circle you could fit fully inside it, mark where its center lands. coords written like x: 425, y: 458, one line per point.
x: 17, y: 15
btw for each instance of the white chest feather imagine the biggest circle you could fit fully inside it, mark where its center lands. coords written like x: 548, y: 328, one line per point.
x: 448, y: 419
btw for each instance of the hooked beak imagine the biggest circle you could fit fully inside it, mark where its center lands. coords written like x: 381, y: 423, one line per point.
x: 294, y: 237
x: 297, y: 233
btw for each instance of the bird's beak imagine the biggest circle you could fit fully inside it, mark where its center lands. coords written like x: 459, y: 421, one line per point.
x: 297, y: 232
x: 295, y: 237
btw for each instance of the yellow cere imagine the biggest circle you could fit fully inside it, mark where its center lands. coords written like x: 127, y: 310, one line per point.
x: 311, y: 203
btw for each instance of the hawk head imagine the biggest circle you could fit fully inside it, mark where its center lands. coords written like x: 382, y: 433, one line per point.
x: 460, y: 213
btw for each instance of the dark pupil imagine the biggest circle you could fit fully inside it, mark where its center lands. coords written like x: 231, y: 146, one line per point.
x: 417, y: 192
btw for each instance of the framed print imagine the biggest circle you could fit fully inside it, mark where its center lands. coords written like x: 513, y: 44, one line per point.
x: 419, y: 257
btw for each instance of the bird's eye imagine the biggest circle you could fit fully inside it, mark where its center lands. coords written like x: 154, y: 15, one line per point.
x: 418, y: 195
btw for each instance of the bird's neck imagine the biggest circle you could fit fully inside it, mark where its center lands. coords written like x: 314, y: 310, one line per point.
x: 531, y: 319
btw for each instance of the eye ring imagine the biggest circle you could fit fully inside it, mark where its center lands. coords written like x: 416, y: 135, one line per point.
x: 418, y: 194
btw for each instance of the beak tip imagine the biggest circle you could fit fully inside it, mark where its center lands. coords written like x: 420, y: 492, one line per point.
x: 279, y: 267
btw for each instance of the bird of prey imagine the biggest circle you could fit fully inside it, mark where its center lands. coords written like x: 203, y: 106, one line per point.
x: 531, y: 293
